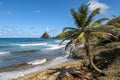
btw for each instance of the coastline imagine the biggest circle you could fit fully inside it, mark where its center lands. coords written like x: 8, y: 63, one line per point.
x: 40, y: 75
x: 23, y: 69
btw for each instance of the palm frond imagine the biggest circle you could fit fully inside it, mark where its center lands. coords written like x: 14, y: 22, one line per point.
x: 64, y: 39
x: 72, y: 36
x: 97, y: 22
x: 83, y: 10
x: 94, y: 24
x: 69, y: 29
x: 80, y: 16
x: 104, y: 28
x: 75, y: 16
x: 90, y: 17
x: 101, y: 20
x: 103, y: 35
x: 67, y: 33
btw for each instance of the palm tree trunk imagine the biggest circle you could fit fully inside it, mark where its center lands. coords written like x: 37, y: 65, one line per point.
x: 89, y: 57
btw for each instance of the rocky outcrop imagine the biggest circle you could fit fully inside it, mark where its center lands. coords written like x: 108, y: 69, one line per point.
x: 45, y: 35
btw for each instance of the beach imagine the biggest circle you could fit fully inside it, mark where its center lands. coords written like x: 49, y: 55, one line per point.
x: 42, y: 74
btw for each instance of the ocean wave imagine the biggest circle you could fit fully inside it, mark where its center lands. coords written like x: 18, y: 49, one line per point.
x: 36, y: 62
x: 33, y: 44
x: 58, y: 41
x: 4, y: 53
x: 54, y: 47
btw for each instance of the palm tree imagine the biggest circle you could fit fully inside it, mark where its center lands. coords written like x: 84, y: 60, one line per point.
x: 84, y: 31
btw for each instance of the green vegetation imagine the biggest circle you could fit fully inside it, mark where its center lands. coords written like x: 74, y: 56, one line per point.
x: 115, y: 22
x: 92, y: 33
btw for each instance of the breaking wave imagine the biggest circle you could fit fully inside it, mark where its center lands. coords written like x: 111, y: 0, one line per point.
x: 33, y: 44
x: 36, y: 62
x: 4, y: 53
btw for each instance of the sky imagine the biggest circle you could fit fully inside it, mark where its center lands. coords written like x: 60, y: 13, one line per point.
x: 31, y: 18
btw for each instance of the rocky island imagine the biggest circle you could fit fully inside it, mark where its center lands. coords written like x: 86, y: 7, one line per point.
x: 45, y: 35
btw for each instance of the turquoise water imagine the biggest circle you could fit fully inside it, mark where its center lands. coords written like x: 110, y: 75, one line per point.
x: 14, y: 51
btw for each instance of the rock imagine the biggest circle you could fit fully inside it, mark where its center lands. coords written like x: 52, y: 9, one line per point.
x: 45, y: 35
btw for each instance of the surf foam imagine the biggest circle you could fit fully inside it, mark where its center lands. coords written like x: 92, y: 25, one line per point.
x: 4, y: 53
x: 54, y: 47
x: 36, y: 62
x: 33, y: 44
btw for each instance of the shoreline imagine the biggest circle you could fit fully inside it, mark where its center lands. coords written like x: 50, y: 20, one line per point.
x: 15, y: 73
x: 40, y: 73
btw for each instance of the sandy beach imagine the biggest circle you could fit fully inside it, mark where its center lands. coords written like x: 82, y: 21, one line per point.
x: 42, y: 74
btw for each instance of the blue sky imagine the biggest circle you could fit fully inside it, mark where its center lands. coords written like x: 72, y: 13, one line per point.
x: 31, y: 18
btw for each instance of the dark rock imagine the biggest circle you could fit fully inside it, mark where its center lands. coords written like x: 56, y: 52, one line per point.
x: 45, y: 35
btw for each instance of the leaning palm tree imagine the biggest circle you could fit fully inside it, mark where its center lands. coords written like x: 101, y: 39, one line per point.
x: 84, y: 31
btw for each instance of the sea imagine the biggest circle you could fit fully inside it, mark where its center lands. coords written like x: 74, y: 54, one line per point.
x: 21, y: 56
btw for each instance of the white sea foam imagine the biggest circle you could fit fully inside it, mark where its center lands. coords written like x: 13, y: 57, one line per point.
x: 36, y: 62
x: 15, y: 74
x: 58, y: 41
x: 4, y: 53
x: 54, y: 47
x: 32, y: 44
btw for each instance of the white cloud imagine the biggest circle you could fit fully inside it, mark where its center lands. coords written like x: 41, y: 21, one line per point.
x: 13, y: 31
x: 96, y: 4
x: 37, y: 11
